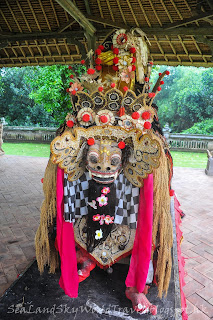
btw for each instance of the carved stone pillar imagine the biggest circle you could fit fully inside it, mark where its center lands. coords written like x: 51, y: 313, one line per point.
x: 166, y: 131
x: 1, y: 139
x: 209, y: 167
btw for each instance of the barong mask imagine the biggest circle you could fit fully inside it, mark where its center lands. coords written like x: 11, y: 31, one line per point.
x: 104, y: 161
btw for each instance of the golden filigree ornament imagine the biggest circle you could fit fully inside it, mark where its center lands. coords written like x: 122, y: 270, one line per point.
x: 67, y: 151
x: 104, y: 117
x: 69, y: 116
x: 124, y: 62
x: 70, y: 121
x: 126, y: 122
x: 146, y: 113
x: 86, y: 117
x: 109, y: 251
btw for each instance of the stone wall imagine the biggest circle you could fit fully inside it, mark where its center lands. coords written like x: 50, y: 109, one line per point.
x: 177, y: 141
x: 189, y: 142
x: 28, y: 134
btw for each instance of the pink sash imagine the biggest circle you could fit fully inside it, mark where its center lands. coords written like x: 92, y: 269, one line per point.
x: 141, y: 253
x: 66, y: 244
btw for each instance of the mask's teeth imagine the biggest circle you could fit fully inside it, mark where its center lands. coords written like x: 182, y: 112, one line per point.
x: 116, y: 175
x: 102, y: 175
x: 90, y: 174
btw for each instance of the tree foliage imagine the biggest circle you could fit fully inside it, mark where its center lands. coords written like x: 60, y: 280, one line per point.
x: 49, y: 88
x: 16, y: 105
x: 186, y: 96
x: 37, y: 95
x: 203, y: 127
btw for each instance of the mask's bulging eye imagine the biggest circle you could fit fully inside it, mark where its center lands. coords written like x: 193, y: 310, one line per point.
x: 93, y: 157
x: 115, y: 160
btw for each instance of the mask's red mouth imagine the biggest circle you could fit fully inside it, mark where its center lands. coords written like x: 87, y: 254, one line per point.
x: 103, y: 176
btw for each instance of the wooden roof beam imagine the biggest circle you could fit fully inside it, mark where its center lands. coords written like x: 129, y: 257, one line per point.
x: 132, y: 12
x: 66, y: 25
x: 160, y: 31
x: 55, y: 14
x: 210, y: 4
x: 3, y: 45
x: 203, y: 31
x: 91, y: 40
x: 14, y: 17
x: 86, y: 2
x: 44, y: 14
x: 40, y: 36
x: 157, y: 56
x: 79, y: 45
x: 202, y: 39
x: 108, y: 22
x: 71, y: 61
x: 202, y: 16
x: 101, y: 11
x: 121, y: 11
x: 34, y: 15
x: 77, y: 15
x: 23, y: 15
x: 200, y: 9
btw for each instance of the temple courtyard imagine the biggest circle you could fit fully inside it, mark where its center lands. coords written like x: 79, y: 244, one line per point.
x: 21, y: 197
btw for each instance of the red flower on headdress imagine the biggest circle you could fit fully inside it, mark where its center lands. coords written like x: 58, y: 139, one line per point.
x: 91, y: 71
x: 132, y: 50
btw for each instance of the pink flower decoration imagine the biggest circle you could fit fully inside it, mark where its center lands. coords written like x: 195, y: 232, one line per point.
x: 97, y: 217
x: 102, y: 219
x: 109, y: 219
x: 102, y: 200
x: 76, y: 86
x: 105, y: 190
x: 127, y: 75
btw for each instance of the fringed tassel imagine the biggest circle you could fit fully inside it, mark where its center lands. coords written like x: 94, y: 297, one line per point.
x: 162, y: 224
x: 45, y: 249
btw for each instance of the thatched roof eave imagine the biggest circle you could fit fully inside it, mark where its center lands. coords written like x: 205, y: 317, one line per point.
x: 63, y: 31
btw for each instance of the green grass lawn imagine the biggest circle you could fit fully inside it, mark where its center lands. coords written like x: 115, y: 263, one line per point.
x: 189, y: 159
x: 181, y: 159
x: 26, y: 149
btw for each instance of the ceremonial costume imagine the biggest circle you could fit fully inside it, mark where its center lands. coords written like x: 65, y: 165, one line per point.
x: 107, y: 185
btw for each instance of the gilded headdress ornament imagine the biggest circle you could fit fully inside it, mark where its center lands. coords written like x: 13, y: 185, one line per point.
x: 112, y: 101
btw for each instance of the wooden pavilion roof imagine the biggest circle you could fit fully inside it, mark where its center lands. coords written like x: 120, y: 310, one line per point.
x: 45, y: 32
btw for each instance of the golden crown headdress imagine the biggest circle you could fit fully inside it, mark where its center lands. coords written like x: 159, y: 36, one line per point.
x: 113, y: 100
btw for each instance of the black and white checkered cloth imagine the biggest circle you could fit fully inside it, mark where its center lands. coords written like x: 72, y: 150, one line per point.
x: 76, y: 199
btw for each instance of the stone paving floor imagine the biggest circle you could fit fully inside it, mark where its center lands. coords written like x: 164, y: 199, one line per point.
x: 21, y: 197
x: 20, y: 200
x: 195, y: 192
